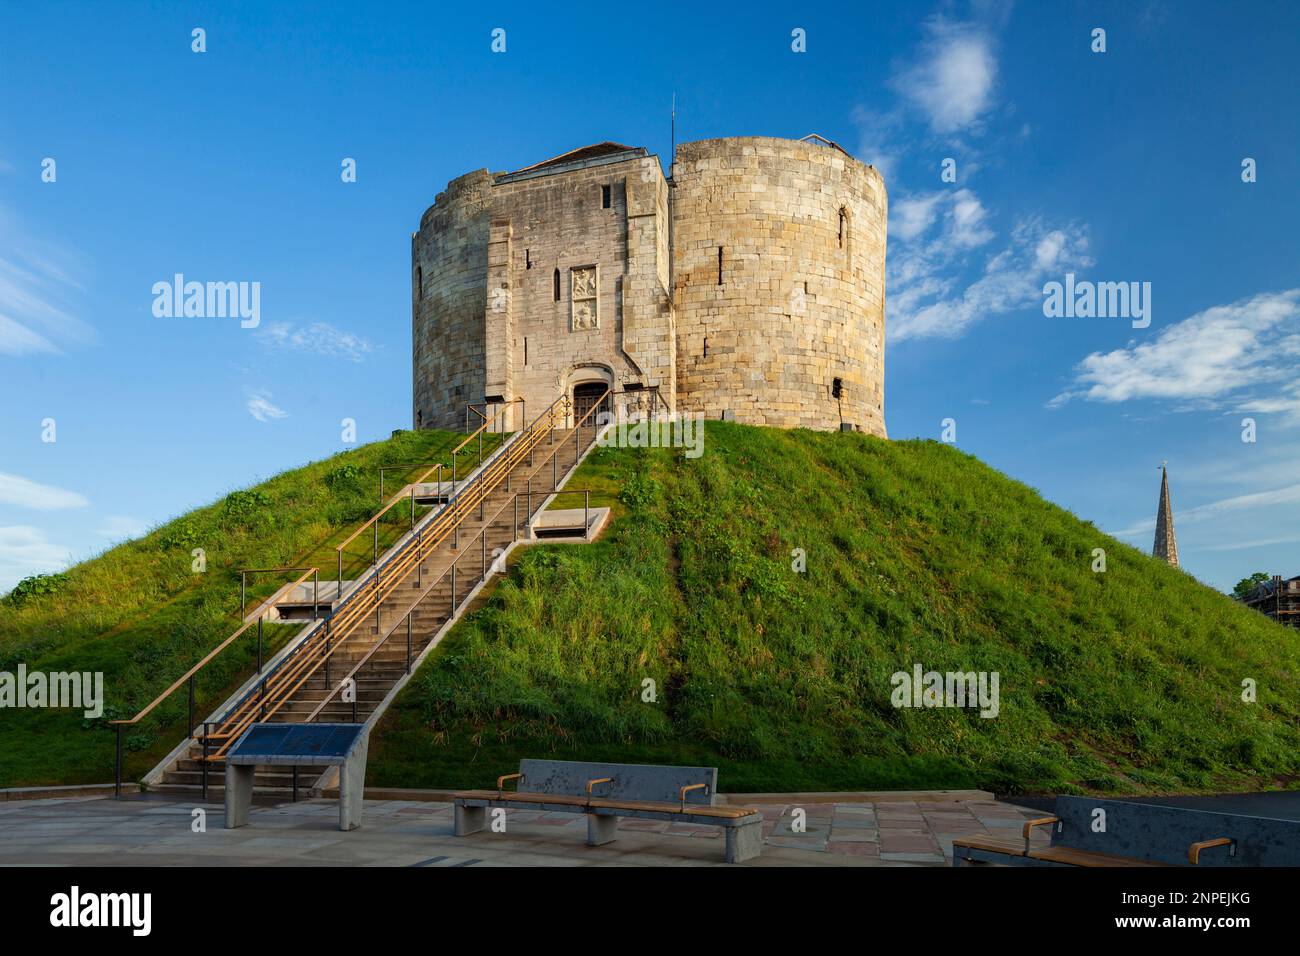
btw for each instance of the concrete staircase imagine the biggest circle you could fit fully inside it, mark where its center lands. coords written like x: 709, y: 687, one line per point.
x: 380, y: 651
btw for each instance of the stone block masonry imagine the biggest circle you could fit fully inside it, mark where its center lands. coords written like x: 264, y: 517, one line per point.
x: 750, y: 285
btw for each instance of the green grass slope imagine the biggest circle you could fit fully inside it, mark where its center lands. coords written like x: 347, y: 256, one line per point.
x: 141, y: 615
x: 1124, y: 681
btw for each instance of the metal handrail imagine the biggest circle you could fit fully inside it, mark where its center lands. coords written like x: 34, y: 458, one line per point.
x: 302, y: 668
x: 188, y: 678
x: 473, y: 407
x: 424, y: 594
x: 438, y: 466
x: 401, y: 495
x: 299, y: 668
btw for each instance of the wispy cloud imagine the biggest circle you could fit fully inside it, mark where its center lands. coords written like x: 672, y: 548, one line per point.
x: 1242, y: 356
x: 952, y: 81
x: 319, y: 338
x: 260, y: 407
x: 24, y: 550
x: 1286, y: 495
x: 16, y: 490
x: 37, y: 289
x: 930, y: 295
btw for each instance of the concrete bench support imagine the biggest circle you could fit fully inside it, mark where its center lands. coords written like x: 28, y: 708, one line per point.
x: 603, y: 792
x: 744, y: 842
x: 299, y: 745
x: 601, y: 829
x: 469, y: 819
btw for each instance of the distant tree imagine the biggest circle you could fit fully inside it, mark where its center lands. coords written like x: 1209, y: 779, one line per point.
x: 1246, y: 585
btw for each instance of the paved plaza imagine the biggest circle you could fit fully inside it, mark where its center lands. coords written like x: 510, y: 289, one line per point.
x: 154, y: 830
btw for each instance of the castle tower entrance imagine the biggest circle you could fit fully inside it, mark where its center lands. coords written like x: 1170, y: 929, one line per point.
x: 585, y: 396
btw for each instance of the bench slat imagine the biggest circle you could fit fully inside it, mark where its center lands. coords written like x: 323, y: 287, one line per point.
x: 1072, y: 857
x: 650, y: 806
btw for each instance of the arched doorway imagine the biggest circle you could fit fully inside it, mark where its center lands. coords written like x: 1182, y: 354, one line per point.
x: 585, y: 397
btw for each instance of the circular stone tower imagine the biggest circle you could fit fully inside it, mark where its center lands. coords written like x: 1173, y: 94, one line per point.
x: 779, y: 283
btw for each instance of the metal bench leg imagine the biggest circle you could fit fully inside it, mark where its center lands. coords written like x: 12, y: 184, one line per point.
x: 470, y: 819
x: 601, y: 829
x: 239, y: 794
x: 744, y: 842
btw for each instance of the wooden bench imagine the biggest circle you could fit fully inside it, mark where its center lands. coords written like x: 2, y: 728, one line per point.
x: 1140, y: 834
x: 607, y: 791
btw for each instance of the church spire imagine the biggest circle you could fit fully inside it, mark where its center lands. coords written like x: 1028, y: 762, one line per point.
x: 1166, y: 546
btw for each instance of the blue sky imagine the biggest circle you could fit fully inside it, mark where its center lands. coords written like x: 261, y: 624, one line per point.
x: 225, y: 165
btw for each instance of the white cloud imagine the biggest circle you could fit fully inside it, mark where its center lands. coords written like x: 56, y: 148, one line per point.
x: 24, y: 551
x: 121, y: 527
x: 260, y: 407
x: 1286, y: 495
x: 952, y: 83
x: 927, y: 295
x: 1243, y: 355
x: 37, y: 285
x: 319, y: 338
x: 15, y: 490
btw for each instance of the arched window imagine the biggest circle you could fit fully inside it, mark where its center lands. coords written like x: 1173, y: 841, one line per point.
x: 556, y: 279
x: 419, y: 283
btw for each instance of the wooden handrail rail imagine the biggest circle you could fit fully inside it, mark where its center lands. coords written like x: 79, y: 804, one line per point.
x: 419, y: 599
x: 1194, y: 851
x: 401, y: 495
x: 359, y: 607
x: 282, y: 686
x: 210, y: 655
x: 1030, y: 824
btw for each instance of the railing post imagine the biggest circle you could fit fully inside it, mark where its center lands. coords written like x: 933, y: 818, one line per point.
x: 412, y: 506
x: 117, y: 778
x: 408, y: 643
x: 514, y: 532
x: 453, y: 588
x: 189, y: 727
x: 482, y: 536
x: 315, y: 594
x: 259, y: 645
x: 338, y: 585
x: 207, y: 729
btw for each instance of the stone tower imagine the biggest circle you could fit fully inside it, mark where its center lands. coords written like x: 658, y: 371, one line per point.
x: 1166, y: 546
x: 749, y: 284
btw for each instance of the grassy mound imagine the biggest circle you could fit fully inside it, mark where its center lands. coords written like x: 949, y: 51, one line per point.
x: 1129, y: 680
x: 140, y: 614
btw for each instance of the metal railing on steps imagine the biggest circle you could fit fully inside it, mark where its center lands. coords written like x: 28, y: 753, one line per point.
x: 189, y: 677
x: 275, y: 690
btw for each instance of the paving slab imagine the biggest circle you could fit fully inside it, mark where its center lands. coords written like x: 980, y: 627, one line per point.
x: 155, y: 830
